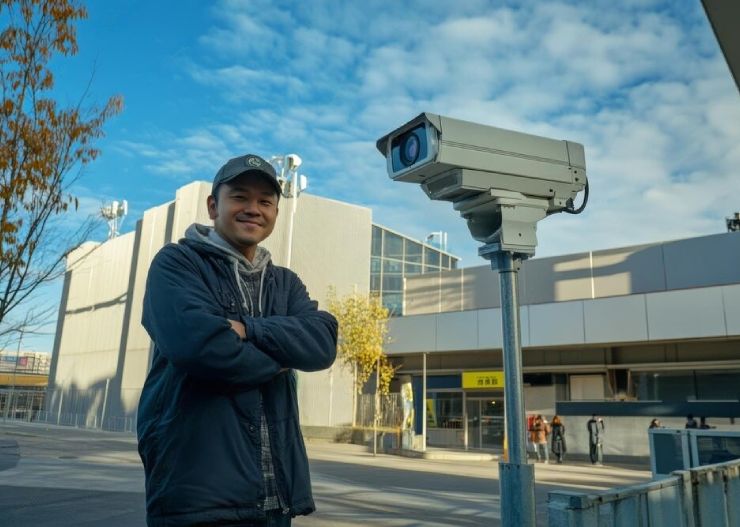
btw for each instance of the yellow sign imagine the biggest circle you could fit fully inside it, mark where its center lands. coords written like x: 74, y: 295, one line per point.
x: 482, y: 380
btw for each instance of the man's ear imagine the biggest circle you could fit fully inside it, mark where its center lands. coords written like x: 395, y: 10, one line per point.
x: 212, y: 207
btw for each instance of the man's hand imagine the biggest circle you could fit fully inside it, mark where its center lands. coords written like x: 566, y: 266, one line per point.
x: 239, y: 328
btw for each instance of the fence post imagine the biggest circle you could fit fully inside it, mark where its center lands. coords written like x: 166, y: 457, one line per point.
x: 105, y: 401
x: 566, y: 510
x: 732, y: 487
x: 59, y: 413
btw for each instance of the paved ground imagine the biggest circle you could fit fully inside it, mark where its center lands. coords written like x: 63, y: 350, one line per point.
x: 59, y: 476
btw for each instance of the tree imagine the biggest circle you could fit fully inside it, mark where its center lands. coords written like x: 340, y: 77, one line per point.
x: 363, y: 332
x: 43, y: 149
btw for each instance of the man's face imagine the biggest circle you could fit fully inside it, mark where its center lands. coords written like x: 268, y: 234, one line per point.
x: 245, y: 211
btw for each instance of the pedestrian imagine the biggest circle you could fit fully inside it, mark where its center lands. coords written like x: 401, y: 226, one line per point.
x: 691, y: 422
x: 540, y: 431
x: 218, y: 427
x: 558, y: 438
x: 655, y: 423
x: 704, y: 425
x: 596, y: 428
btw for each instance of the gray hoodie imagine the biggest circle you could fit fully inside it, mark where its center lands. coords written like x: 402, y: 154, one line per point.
x: 250, y: 276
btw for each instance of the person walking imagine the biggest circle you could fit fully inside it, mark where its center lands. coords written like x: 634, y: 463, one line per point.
x: 595, y: 427
x: 540, y: 431
x: 218, y: 428
x: 558, y: 438
x: 691, y: 422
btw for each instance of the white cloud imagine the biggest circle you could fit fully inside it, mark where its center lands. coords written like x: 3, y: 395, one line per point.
x: 642, y: 85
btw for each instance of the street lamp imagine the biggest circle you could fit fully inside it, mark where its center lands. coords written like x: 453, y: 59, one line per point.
x: 502, y: 182
x: 292, y: 184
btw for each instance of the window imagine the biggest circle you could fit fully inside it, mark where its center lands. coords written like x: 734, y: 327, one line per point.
x: 394, y: 303
x: 444, y: 410
x: 374, y: 282
x: 411, y: 268
x: 392, y: 246
x: 392, y: 266
x: 376, y: 248
x: 413, y: 252
x: 431, y: 257
x: 392, y: 282
x: 445, y: 261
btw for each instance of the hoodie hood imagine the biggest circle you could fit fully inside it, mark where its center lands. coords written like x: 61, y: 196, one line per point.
x: 243, y: 268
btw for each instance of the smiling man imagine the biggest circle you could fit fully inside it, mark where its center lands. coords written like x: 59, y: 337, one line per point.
x: 218, y: 423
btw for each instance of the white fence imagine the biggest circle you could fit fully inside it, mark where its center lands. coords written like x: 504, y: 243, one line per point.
x: 700, y: 497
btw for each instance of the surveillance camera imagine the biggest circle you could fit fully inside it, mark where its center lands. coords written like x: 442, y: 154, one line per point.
x: 502, y: 182
x: 455, y: 160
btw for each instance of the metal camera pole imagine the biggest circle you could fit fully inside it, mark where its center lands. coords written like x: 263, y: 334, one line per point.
x: 516, y: 477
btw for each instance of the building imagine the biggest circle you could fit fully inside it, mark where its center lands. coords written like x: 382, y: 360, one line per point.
x: 23, y: 379
x: 102, y: 353
x: 629, y: 333
x: 394, y: 257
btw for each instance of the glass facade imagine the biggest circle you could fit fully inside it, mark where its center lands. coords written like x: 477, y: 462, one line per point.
x: 393, y: 257
x: 686, y: 385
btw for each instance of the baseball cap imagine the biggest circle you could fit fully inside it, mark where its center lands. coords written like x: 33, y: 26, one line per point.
x: 241, y: 165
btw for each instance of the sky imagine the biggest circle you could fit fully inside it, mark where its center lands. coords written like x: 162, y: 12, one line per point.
x: 641, y: 84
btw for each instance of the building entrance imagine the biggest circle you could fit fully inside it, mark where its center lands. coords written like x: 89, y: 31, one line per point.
x: 485, y: 420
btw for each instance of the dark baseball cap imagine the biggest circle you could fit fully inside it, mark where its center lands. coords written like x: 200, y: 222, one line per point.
x: 249, y: 163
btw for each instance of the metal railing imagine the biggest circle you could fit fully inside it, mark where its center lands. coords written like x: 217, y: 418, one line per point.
x: 700, y: 497
x: 390, y: 413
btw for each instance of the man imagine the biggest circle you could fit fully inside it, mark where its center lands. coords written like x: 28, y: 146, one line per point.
x: 691, y: 422
x: 595, y: 427
x: 218, y: 424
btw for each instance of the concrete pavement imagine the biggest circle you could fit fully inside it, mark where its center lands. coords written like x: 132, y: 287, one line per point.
x: 60, y: 476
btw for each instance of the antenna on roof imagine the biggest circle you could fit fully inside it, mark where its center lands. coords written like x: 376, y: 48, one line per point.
x: 114, y: 213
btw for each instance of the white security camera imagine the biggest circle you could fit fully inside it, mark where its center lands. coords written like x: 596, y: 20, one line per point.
x: 502, y: 182
x: 454, y: 160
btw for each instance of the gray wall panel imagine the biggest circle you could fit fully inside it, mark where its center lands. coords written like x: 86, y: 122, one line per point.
x: 456, y: 331
x: 480, y: 287
x: 618, y: 319
x: 703, y: 261
x: 412, y: 334
x: 691, y: 313
x: 490, y: 333
x: 628, y: 270
x: 731, y: 297
x: 556, y: 279
x: 695, y: 262
x: 556, y: 324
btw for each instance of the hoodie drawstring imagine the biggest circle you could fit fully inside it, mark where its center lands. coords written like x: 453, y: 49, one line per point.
x: 250, y: 307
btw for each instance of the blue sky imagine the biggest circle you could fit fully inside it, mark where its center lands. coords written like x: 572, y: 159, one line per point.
x: 642, y: 84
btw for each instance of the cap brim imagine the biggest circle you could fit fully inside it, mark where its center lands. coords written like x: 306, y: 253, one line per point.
x: 265, y: 175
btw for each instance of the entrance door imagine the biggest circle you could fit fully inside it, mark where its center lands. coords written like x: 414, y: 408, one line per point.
x: 485, y: 422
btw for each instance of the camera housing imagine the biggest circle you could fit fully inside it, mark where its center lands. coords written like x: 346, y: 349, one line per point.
x: 502, y: 182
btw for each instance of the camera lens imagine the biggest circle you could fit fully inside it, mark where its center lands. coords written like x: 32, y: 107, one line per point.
x: 410, y: 148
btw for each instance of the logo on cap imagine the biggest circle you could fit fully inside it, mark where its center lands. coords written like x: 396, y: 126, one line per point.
x: 253, y: 161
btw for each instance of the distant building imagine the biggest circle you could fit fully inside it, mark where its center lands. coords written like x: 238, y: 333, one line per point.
x: 24, y: 376
x: 629, y: 333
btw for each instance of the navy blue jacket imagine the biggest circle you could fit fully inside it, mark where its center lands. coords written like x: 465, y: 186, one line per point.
x: 199, y: 413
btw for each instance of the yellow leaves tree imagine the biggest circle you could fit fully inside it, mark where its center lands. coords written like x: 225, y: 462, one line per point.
x: 43, y: 148
x: 363, y: 333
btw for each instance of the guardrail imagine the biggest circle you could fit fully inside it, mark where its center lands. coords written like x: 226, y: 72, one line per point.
x: 706, y: 496
x: 681, y: 449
